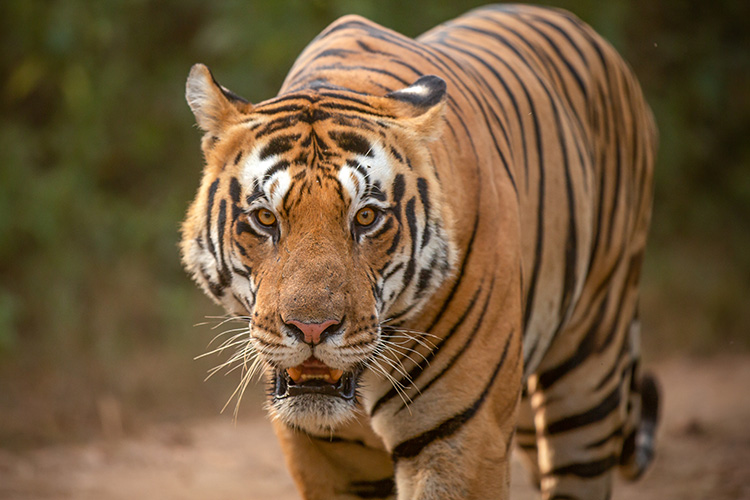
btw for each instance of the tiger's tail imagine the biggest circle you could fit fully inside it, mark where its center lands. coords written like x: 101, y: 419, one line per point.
x: 638, y: 447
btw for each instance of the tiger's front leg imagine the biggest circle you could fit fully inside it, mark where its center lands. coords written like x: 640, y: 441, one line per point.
x: 347, y: 464
x: 471, y: 464
x: 456, y: 442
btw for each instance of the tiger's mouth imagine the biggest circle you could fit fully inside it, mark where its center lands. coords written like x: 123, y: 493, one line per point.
x: 315, y: 377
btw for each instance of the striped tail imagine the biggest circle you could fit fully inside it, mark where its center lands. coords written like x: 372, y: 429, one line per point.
x: 638, y: 448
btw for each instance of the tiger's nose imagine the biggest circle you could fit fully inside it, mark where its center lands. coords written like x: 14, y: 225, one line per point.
x: 313, y: 333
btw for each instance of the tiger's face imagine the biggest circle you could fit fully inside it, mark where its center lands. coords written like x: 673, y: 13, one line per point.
x: 320, y: 219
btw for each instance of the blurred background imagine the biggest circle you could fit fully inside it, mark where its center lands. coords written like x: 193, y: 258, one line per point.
x: 99, y: 158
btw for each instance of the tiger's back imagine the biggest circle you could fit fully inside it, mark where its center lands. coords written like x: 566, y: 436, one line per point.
x: 521, y: 194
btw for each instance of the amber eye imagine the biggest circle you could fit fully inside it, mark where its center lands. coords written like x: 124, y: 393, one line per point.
x: 265, y: 217
x: 365, y: 216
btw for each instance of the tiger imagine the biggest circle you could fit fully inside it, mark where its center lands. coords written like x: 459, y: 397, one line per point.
x: 435, y: 246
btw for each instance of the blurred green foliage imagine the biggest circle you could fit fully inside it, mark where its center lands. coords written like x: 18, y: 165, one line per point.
x: 99, y: 159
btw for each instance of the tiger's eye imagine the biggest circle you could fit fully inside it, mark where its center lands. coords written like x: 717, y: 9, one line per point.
x: 365, y: 216
x: 265, y: 217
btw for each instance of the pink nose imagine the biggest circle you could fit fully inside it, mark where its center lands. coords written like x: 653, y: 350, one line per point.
x: 312, y: 332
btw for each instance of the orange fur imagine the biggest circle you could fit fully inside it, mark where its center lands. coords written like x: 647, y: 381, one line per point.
x: 512, y: 195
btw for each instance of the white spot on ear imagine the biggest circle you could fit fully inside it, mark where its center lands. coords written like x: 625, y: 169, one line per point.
x: 415, y: 89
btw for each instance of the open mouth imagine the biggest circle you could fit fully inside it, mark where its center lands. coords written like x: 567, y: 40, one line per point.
x: 315, y: 377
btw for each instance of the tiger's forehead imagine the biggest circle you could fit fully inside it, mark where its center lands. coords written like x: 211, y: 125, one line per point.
x: 360, y: 169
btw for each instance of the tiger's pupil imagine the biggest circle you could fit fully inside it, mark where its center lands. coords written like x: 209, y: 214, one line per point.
x: 365, y: 216
x: 266, y: 217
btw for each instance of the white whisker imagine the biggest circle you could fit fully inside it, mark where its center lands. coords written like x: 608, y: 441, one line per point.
x: 397, y: 385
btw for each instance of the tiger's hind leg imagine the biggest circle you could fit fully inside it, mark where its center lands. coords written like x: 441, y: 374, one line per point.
x: 526, y: 439
x: 592, y: 412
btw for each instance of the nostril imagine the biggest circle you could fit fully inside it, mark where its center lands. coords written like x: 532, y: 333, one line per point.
x: 295, y: 331
x: 313, y: 333
x: 333, y: 329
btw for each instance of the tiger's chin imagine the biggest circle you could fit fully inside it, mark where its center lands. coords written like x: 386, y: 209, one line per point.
x: 314, y: 403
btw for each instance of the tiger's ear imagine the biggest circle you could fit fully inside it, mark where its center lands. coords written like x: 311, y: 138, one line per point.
x: 213, y: 105
x: 422, y: 103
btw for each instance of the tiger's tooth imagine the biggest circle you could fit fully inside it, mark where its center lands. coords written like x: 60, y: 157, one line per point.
x: 295, y: 373
x: 335, y: 374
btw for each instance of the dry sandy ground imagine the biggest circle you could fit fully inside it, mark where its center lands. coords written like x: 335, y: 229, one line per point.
x: 703, y: 453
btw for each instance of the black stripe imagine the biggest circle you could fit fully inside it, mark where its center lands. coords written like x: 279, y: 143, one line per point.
x: 414, y: 446
x: 216, y: 290
x: 456, y: 356
x: 382, y: 488
x: 374, y: 191
x: 352, y: 143
x: 560, y: 57
x: 277, y: 167
x: 286, y: 108
x: 344, y: 97
x: 398, y: 189
x: 628, y: 446
x: 424, y: 279
x: 460, y: 274
x: 585, y: 347
x: 343, y: 53
x: 585, y: 470
x: 411, y: 265
x: 278, y: 145
x: 387, y: 225
x: 291, y: 97
x: 531, y: 294
x: 624, y: 351
x: 235, y: 191
x: 225, y: 277
x: 513, y: 100
x: 359, y: 168
x: 595, y: 414
x: 631, y: 282
x: 483, y: 105
x: 488, y: 108
x: 282, y: 122
x: 571, y: 243
x: 337, y: 440
x: 396, y: 241
x: 424, y: 198
x: 242, y: 226
x: 209, y: 215
x: 565, y: 34
x: 616, y: 433
x: 425, y: 362
x: 357, y: 109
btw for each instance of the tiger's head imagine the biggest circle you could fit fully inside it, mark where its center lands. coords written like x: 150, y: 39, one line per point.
x: 320, y: 219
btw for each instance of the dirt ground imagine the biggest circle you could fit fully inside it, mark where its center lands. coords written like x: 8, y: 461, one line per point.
x: 703, y: 452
